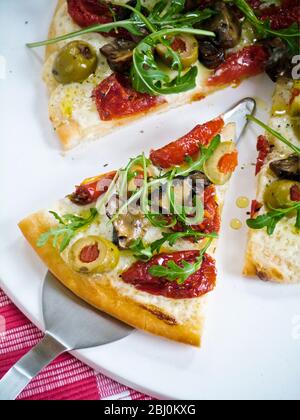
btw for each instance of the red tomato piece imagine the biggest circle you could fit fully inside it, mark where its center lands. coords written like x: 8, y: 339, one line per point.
x: 89, y: 12
x: 89, y: 254
x: 212, y: 217
x: 295, y: 193
x: 228, y: 162
x: 175, y: 153
x: 255, y: 207
x: 178, y: 45
x: 284, y: 16
x: 198, y: 284
x: 249, y: 62
x: 264, y: 148
x: 295, y: 93
x: 115, y: 99
x: 89, y: 192
x: 93, y: 12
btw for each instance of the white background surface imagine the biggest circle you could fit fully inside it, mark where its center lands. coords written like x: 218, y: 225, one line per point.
x: 250, y: 348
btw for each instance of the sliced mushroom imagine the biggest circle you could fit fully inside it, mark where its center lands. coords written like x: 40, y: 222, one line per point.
x: 288, y: 169
x: 127, y: 227
x: 130, y: 227
x: 210, y: 54
x: 226, y: 25
x: 119, y: 54
x: 280, y: 61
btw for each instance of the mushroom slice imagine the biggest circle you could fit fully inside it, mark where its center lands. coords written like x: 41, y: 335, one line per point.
x: 279, y: 64
x: 130, y: 227
x: 226, y: 25
x: 288, y: 168
x: 127, y: 227
x: 119, y: 54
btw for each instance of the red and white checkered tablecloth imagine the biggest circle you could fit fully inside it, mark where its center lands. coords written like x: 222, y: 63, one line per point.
x: 66, y: 378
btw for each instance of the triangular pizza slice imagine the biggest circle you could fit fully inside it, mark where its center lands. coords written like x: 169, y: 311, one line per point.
x: 139, y: 243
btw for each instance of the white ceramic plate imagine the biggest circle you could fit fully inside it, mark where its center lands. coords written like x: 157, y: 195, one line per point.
x: 252, y: 342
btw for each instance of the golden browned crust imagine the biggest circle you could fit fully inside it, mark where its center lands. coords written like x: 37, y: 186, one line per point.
x: 70, y: 133
x: 52, y: 33
x: 253, y: 268
x: 102, y: 295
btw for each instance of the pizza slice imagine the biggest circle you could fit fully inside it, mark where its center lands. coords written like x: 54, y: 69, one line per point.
x: 139, y: 243
x: 273, y: 252
x: 107, y: 64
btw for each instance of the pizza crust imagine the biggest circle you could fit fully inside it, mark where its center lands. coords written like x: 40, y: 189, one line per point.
x: 102, y: 295
x: 53, y: 33
x: 259, y: 263
x: 71, y: 134
x: 274, y: 258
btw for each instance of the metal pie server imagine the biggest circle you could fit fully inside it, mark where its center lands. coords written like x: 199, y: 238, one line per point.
x: 70, y: 324
x: 238, y: 115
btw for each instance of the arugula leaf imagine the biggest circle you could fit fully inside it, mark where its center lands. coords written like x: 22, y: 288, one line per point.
x: 145, y: 253
x: 146, y: 74
x: 180, y: 274
x: 264, y: 29
x: 140, y: 251
x: 298, y: 219
x: 271, y: 219
x: 104, y: 28
x: 68, y: 227
x: 183, y: 213
x: 174, y: 272
x: 275, y: 134
x: 171, y: 13
x: 158, y: 220
x: 173, y: 237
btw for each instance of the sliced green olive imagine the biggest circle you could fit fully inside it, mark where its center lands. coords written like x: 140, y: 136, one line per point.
x: 185, y: 45
x: 75, y: 63
x: 214, y: 169
x: 278, y: 194
x: 94, y: 254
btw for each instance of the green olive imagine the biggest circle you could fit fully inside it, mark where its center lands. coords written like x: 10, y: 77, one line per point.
x: 278, y: 194
x: 75, y: 63
x: 213, y: 168
x: 185, y: 45
x: 94, y: 254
